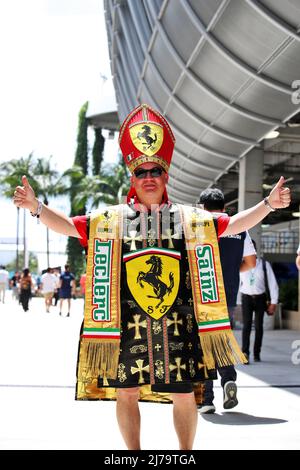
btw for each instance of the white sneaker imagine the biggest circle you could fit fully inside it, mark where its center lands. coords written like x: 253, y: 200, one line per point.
x: 230, y: 400
x: 207, y: 409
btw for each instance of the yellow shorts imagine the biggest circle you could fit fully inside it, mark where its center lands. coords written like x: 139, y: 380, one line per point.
x: 48, y: 295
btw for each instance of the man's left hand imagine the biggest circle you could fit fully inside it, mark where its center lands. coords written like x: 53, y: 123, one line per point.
x: 280, y: 197
x: 271, y: 309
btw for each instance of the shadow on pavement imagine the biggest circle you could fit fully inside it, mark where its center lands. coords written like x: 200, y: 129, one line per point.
x: 278, y: 367
x: 240, y: 419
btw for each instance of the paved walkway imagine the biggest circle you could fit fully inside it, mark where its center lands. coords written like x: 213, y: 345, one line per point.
x: 38, y: 411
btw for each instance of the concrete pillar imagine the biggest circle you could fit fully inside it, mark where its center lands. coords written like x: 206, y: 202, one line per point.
x: 250, y: 186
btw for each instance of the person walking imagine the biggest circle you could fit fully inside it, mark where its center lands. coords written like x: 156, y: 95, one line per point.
x: 56, y: 273
x: 254, y: 288
x: 237, y: 255
x: 48, y: 286
x: 4, y: 278
x: 26, y: 285
x: 155, y: 319
x: 14, y: 284
x: 67, y: 287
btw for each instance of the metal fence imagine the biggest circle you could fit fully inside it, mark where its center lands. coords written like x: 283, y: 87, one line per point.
x: 283, y: 242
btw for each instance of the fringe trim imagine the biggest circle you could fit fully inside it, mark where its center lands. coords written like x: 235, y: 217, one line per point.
x: 99, y: 358
x: 220, y: 348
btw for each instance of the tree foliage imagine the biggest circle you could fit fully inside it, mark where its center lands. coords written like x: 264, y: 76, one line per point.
x: 108, y: 188
x: 97, y: 152
x: 81, y: 155
x: 76, y: 257
x: 33, y: 263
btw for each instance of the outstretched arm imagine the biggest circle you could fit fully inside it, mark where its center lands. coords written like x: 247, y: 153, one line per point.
x: 279, y: 198
x: 24, y: 197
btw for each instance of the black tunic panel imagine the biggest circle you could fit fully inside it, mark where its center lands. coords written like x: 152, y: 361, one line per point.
x: 159, y: 334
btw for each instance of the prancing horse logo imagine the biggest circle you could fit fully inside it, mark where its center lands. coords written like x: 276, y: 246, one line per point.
x: 152, y: 277
x: 147, y: 136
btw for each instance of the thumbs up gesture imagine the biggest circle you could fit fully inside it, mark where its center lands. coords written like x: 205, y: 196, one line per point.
x: 24, y: 196
x: 280, y: 197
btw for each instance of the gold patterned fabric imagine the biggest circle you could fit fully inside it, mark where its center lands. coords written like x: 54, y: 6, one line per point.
x: 159, y: 323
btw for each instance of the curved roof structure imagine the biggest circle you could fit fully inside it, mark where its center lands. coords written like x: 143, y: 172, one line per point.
x: 223, y: 72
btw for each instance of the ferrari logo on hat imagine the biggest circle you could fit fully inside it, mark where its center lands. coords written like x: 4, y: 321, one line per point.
x: 153, y: 279
x: 147, y: 137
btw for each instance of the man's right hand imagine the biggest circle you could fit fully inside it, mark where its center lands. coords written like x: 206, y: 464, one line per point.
x: 24, y: 196
x: 55, y: 220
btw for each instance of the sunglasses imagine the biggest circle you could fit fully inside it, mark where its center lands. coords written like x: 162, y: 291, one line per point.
x: 154, y: 172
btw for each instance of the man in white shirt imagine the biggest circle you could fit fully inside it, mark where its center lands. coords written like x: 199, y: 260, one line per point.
x: 48, y: 287
x: 4, y: 276
x: 298, y: 258
x: 254, y: 286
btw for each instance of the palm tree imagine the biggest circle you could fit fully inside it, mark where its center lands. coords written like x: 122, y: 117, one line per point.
x: 48, y: 183
x: 11, y: 173
x: 108, y: 188
x: 44, y: 179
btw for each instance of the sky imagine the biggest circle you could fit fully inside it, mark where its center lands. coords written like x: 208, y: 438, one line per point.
x: 53, y: 54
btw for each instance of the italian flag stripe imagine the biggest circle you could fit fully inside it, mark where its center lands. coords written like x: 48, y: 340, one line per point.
x: 149, y: 251
x: 101, y: 333
x: 107, y: 330
x: 213, y: 322
x: 98, y: 336
x: 215, y: 328
x: 217, y: 325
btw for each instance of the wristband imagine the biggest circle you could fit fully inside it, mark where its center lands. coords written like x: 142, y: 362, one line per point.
x: 38, y: 211
x: 266, y: 203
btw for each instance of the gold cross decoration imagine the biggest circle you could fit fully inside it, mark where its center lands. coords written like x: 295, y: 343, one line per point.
x: 133, y: 239
x: 178, y: 367
x: 167, y: 235
x: 157, y: 347
x: 176, y: 322
x: 140, y: 369
x: 201, y: 366
x: 137, y: 325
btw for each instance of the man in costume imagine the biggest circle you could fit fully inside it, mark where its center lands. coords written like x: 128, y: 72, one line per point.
x: 156, y: 319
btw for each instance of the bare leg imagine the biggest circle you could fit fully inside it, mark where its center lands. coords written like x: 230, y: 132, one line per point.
x: 48, y: 303
x: 128, y: 416
x: 185, y: 418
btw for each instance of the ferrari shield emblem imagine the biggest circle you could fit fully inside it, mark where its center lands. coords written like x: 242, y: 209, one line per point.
x: 147, y: 138
x: 153, y: 279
